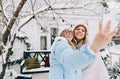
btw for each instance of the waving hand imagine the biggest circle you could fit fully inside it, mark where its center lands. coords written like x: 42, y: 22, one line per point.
x: 103, y: 37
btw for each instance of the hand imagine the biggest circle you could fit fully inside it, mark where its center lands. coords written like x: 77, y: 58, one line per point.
x: 103, y: 37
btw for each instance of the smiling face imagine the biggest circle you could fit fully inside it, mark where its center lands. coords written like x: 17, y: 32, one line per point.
x: 68, y: 33
x: 80, y: 32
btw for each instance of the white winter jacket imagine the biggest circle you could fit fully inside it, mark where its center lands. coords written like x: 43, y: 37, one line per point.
x: 96, y: 70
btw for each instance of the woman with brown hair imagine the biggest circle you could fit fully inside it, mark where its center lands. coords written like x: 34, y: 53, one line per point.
x: 80, y: 33
x: 97, y: 69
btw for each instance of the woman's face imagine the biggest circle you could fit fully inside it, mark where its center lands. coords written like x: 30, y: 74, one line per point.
x: 79, y: 33
x: 68, y: 33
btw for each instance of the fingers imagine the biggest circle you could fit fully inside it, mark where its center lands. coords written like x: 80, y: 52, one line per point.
x: 107, y: 28
x: 100, y: 26
x: 113, y: 33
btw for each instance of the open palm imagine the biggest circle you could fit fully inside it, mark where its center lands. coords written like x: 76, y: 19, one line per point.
x: 103, y: 37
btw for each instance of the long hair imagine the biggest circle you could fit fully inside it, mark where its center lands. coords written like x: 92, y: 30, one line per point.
x: 82, y: 41
x: 70, y: 42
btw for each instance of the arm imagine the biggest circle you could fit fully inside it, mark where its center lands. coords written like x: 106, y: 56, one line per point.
x: 71, y: 59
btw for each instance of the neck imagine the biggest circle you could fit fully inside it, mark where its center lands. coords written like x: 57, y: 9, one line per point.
x: 79, y: 41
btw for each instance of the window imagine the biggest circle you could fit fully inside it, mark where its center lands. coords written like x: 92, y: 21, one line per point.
x: 43, y: 41
x: 54, y: 33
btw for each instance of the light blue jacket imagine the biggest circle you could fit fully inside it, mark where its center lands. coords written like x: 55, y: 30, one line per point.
x: 66, y: 63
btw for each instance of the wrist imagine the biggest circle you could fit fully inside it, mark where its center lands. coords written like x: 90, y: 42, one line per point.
x: 94, y: 49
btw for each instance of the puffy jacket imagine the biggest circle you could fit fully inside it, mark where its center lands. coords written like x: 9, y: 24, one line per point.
x: 66, y: 63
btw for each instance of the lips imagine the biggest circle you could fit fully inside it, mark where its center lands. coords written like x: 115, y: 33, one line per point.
x: 80, y: 34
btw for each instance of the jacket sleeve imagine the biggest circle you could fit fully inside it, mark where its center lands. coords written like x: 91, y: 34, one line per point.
x: 73, y: 59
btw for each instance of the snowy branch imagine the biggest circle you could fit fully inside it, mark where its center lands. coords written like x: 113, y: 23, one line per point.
x: 25, y: 22
x: 12, y: 21
x: 3, y: 14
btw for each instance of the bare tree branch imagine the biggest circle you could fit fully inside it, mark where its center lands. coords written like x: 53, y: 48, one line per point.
x: 3, y: 14
x: 9, y: 50
x: 4, y: 65
x: 12, y: 21
x: 7, y: 32
x: 25, y: 22
x: 49, y: 8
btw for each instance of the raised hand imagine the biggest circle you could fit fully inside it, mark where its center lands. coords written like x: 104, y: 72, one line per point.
x: 103, y: 37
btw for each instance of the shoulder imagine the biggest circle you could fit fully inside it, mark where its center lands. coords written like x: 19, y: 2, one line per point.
x: 60, y: 39
x: 59, y: 42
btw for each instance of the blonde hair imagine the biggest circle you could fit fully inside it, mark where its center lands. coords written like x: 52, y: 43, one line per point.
x: 70, y: 42
x: 82, y: 41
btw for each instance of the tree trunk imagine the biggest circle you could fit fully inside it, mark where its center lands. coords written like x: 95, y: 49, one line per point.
x: 4, y: 66
x: 12, y: 21
x: 7, y: 32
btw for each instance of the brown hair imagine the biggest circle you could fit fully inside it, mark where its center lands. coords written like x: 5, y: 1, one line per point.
x: 82, y: 41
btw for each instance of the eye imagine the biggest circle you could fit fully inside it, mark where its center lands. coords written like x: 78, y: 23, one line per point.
x: 77, y: 29
x: 69, y: 31
x: 80, y: 29
x: 83, y: 30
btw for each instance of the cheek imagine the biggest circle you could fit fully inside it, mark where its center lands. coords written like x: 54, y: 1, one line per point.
x: 71, y: 37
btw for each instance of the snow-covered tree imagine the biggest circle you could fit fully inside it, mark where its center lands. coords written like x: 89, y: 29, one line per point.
x: 14, y: 14
x: 6, y: 36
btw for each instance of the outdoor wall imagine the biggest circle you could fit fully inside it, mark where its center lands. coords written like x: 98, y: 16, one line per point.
x: 31, y: 31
